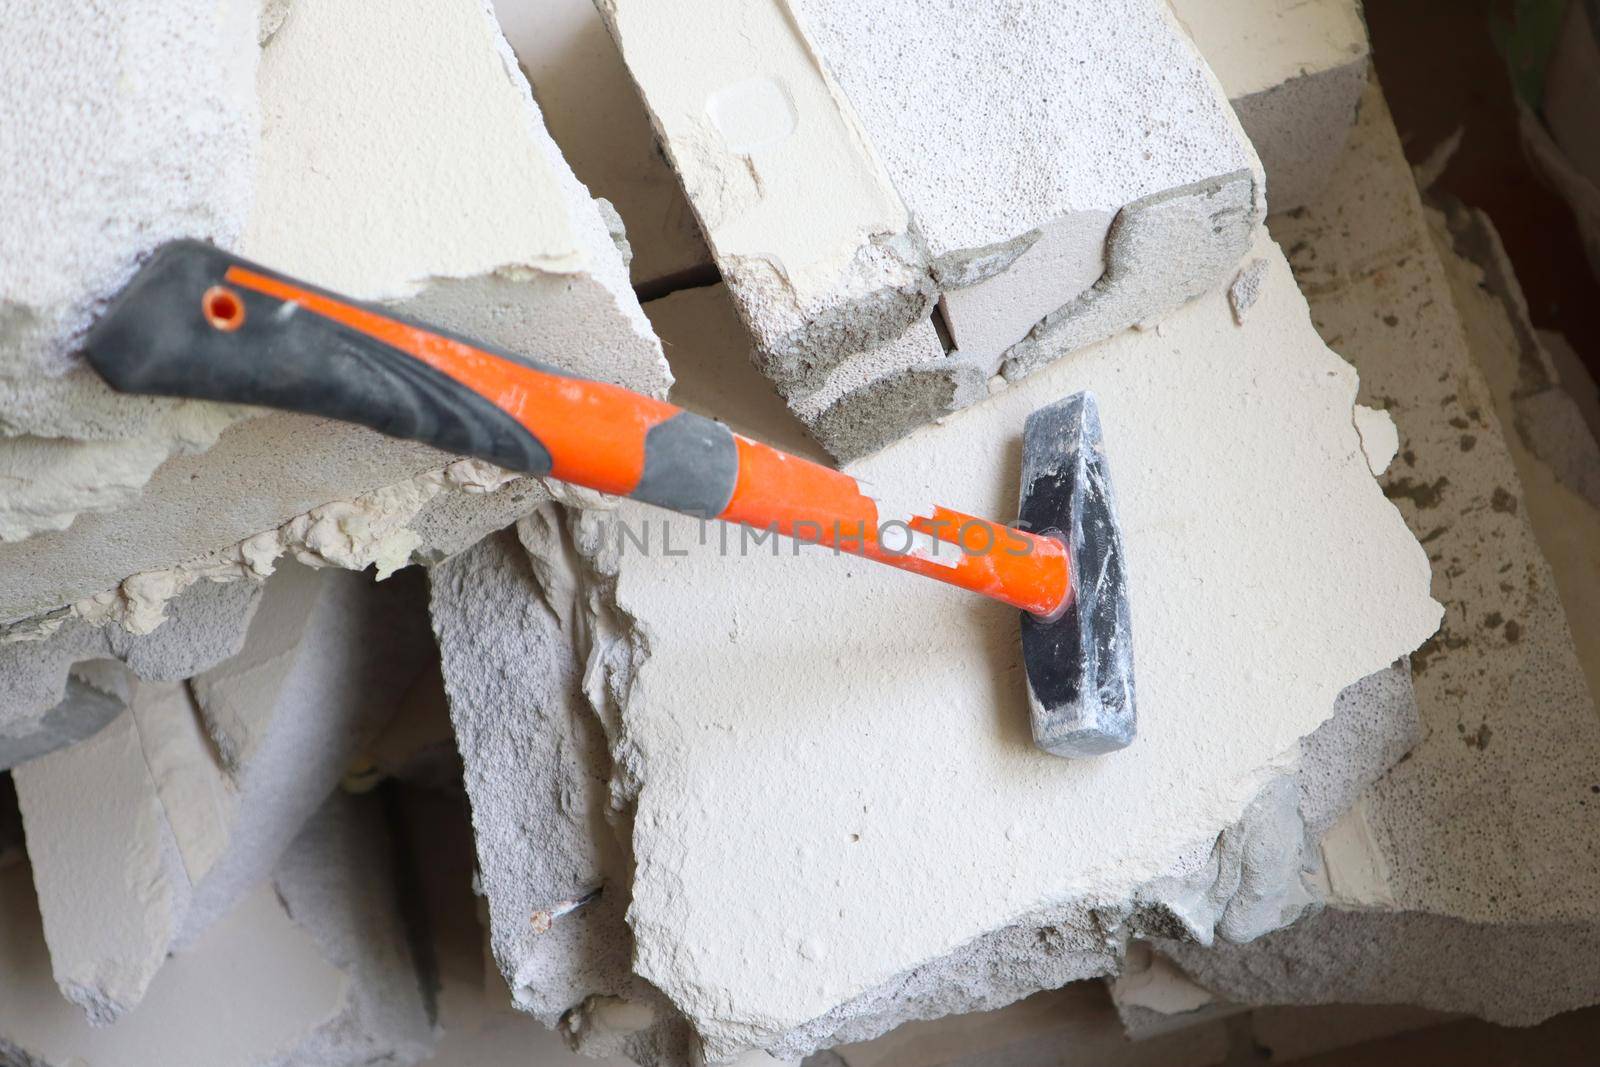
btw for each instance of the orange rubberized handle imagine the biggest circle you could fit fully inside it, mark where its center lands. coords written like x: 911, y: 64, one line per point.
x: 608, y: 438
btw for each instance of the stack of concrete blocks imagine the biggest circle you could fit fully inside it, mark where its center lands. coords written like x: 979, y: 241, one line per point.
x: 433, y: 186
x: 577, y: 653
x: 851, y: 177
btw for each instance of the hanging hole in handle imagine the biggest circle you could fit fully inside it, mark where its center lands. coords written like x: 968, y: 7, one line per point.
x: 223, y: 308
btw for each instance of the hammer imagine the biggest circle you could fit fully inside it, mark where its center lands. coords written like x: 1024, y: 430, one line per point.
x: 197, y: 322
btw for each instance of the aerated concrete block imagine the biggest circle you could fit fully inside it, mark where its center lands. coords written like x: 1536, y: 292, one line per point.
x: 312, y: 970
x: 1204, y: 845
x: 47, y: 702
x: 1467, y: 878
x: 106, y: 862
x: 850, y: 175
x: 536, y: 769
x: 434, y: 188
x: 1294, y: 72
x: 185, y: 803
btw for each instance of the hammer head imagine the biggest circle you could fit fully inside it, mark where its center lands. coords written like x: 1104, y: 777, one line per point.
x: 1080, y: 662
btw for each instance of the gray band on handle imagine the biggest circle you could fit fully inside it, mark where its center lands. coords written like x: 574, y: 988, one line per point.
x: 690, y: 465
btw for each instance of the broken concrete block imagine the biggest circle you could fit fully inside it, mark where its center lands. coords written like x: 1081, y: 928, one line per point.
x: 329, y: 656
x: 64, y: 686
x: 82, y: 198
x: 1550, y: 440
x: 594, y: 114
x: 857, y: 950
x: 312, y: 969
x: 1462, y: 879
x: 88, y: 108
x: 185, y: 804
x: 536, y: 770
x: 501, y: 244
x: 801, y: 135
x: 1294, y: 72
x: 105, y: 859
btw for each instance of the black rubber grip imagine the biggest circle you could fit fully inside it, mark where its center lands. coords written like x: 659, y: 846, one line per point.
x: 156, y: 338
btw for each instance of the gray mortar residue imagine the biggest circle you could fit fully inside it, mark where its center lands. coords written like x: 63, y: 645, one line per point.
x: 1161, y: 252
x: 885, y: 290
x: 1374, y: 725
x: 535, y: 772
x: 1212, y: 221
x: 865, y: 420
x: 957, y: 270
x: 1245, y: 288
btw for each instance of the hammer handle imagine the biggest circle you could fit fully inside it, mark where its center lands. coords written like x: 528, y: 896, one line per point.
x: 196, y: 322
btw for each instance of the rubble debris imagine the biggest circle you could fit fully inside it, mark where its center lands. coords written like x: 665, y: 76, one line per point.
x: 61, y: 686
x: 83, y: 206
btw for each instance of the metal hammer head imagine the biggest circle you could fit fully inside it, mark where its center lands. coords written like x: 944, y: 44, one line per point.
x: 1079, y: 663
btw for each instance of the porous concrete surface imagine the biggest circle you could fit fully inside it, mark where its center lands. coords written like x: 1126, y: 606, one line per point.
x: 708, y: 346
x: 857, y: 952
x: 1466, y: 879
x: 1050, y: 214
x: 502, y: 243
x: 1294, y: 71
x: 123, y: 131
x: 311, y: 969
x: 536, y: 770
x: 143, y: 836
x: 596, y: 117
x: 44, y: 710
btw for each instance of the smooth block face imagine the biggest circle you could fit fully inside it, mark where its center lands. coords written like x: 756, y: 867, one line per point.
x: 1080, y: 663
x: 817, y: 817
